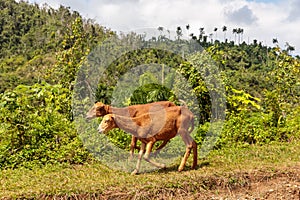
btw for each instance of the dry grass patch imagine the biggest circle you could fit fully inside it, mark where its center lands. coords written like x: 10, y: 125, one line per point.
x: 223, y: 173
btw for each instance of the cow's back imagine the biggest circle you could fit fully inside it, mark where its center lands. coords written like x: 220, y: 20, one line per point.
x: 140, y: 109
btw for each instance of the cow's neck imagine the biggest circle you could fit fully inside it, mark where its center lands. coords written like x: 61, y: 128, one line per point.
x: 118, y: 111
x: 126, y: 124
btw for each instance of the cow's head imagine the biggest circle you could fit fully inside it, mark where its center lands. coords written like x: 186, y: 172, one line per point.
x: 99, y: 109
x: 107, y: 123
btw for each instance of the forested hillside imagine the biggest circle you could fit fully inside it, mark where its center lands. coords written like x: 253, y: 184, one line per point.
x: 32, y: 36
x: 43, y: 48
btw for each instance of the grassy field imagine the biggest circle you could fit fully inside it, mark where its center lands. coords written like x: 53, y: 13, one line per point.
x: 228, y: 173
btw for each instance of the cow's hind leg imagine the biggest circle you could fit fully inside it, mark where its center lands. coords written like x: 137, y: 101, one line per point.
x: 133, y: 145
x: 156, y: 152
x: 195, y: 153
x: 190, y: 144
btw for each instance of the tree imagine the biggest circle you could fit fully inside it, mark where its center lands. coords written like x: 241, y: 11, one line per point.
x: 224, y: 29
x: 187, y: 28
x: 289, y: 48
x: 240, y: 32
x: 215, y: 30
x: 202, y: 32
x: 284, y: 96
x: 74, y: 50
x: 179, y: 32
x: 234, y: 31
x: 211, y: 37
x: 160, y: 29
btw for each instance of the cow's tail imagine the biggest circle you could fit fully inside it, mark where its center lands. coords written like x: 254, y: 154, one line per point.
x: 182, y: 102
x: 192, y: 124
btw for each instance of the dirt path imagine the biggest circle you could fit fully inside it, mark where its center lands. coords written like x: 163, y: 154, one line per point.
x: 282, y: 184
x: 259, y: 185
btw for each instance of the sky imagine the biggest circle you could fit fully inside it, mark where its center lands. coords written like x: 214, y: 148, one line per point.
x: 263, y: 20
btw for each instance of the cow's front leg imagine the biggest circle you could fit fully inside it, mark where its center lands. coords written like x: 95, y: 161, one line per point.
x: 140, y: 156
x: 147, y: 155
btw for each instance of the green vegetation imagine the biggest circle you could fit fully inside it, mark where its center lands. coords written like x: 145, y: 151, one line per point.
x: 226, y: 169
x: 41, y: 51
x: 31, y: 136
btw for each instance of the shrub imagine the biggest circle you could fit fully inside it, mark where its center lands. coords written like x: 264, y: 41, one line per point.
x: 36, y: 128
x: 245, y: 128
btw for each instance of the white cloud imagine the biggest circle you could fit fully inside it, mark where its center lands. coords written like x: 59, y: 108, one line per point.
x: 261, y: 19
x: 241, y: 16
x: 294, y: 14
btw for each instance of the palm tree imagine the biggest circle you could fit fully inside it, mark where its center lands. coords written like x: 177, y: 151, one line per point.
x: 241, y: 31
x: 255, y: 42
x: 289, y: 48
x: 234, y: 31
x: 205, y: 38
x: 160, y: 29
x: 242, y: 34
x: 275, y: 41
x: 193, y: 36
x: 215, y: 30
x: 238, y: 33
x: 179, y: 32
x: 201, y: 33
x: 211, y: 37
x: 224, y: 29
x: 187, y: 28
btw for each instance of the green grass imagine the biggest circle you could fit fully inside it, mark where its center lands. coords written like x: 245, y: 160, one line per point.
x: 219, y: 168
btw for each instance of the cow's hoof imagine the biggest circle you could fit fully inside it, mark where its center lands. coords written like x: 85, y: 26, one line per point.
x: 135, y: 172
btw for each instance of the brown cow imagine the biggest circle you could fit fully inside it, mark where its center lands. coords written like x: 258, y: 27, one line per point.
x: 100, y: 109
x: 149, y: 128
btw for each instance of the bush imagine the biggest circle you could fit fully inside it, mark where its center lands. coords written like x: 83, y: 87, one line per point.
x: 249, y: 128
x: 120, y: 138
x: 290, y: 125
x: 36, y: 128
x: 245, y: 128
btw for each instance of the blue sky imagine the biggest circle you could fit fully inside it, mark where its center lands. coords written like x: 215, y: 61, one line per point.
x: 261, y: 19
x: 265, y: 1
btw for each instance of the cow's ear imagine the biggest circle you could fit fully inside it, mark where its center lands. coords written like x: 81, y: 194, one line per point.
x: 99, y: 108
x: 113, y: 117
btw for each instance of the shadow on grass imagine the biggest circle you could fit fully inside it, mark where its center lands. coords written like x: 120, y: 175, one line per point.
x: 174, y: 168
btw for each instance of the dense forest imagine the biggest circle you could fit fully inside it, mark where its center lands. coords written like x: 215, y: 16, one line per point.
x: 42, y: 50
